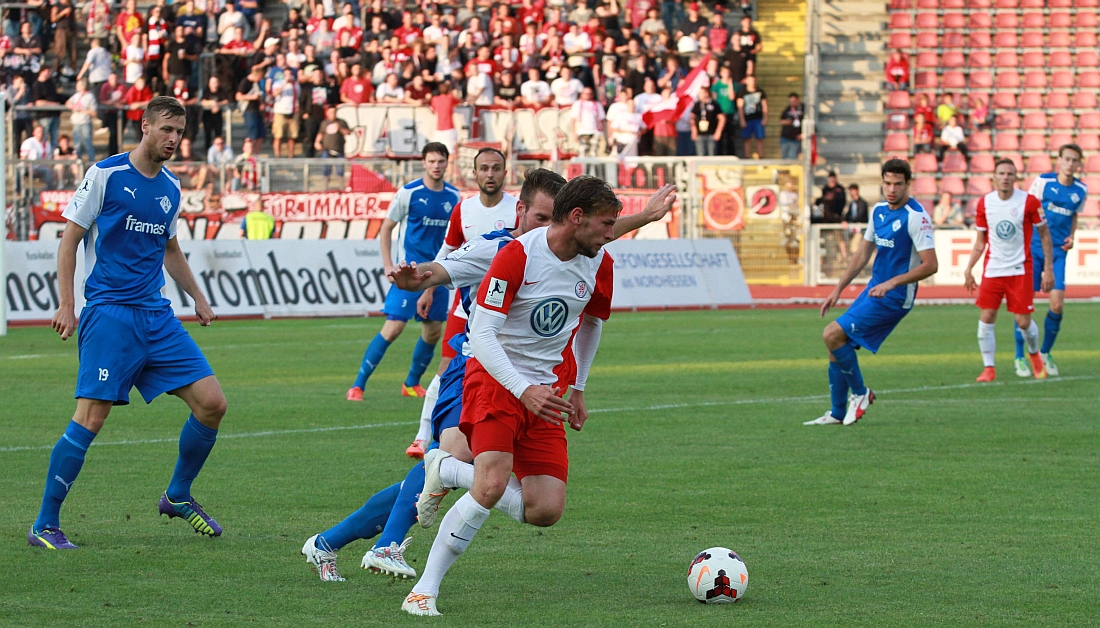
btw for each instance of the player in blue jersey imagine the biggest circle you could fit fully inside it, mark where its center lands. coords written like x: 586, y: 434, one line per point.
x: 125, y: 213
x: 1063, y: 198
x: 393, y: 510
x: 899, y: 234
x: 421, y: 212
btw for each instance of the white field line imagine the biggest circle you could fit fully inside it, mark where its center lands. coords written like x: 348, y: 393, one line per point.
x: 668, y: 406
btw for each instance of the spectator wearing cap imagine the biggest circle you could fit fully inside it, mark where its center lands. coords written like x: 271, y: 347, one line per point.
x: 747, y: 43
x: 357, y: 89
x: 897, y: 71
x: 694, y: 24
x: 790, y: 136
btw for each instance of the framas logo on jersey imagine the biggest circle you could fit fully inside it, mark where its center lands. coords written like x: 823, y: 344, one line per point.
x: 494, y: 297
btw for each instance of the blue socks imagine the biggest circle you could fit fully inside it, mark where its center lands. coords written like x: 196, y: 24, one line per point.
x: 365, y: 522
x: 196, y: 441
x: 65, y: 463
x: 838, y: 390
x: 376, y: 350
x: 422, y: 357
x: 403, y: 515
x: 849, y: 367
x: 1019, y: 335
x: 1051, y: 326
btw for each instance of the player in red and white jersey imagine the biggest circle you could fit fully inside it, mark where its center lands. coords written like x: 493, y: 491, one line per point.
x: 546, y: 291
x: 1006, y: 217
x: 492, y: 209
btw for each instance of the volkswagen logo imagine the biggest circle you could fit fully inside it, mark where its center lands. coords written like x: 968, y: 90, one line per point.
x: 549, y: 317
x: 1005, y: 229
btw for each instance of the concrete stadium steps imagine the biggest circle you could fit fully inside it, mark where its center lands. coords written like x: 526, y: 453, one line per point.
x: 781, y: 64
x: 850, y: 112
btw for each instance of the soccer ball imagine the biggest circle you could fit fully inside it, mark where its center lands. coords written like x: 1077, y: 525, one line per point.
x: 718, y: 576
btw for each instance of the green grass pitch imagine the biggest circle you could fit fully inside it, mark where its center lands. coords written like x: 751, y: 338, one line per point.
x: 950, y: 504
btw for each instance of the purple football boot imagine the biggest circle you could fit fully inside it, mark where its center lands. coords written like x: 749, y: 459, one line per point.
x: 192, y: 513
x: 50, y: 538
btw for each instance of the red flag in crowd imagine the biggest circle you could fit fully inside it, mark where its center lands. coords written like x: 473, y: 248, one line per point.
x: 683, y: 98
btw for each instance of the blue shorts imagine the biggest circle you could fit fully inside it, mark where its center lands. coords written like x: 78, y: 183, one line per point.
x: 869, y: 321
x: 401, y: 305
x: 753, y: 128
x: 448, y: 407
x: 1059, y: 271
x: 121, y: 347
x: 254, y: 125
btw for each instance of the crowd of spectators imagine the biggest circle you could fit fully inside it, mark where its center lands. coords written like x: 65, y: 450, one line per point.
x: 286, y: 76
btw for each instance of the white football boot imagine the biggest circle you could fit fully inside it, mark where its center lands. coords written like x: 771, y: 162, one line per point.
x: 427, y: 503
x: 857, y: 406
x: 420, y: 604
x: 1048, y: 363
x: 1022, y: 369
x: 389, y: 560
x: 825, y: 419
x: 323, y: 559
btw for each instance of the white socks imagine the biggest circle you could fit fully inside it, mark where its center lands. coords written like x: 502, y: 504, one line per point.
x: 430, y: 397
x: 456, y: 531
x: 1031, y: 338
x: 987, y: 342
x: 454, y: 473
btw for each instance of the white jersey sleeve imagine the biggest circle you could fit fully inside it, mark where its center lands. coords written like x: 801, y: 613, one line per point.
x: 920, y: 231
x: 1036, y: 188
x: 468, y: 264
x: 87, y: 202
x: 173, y: 225
x: 399, y: 206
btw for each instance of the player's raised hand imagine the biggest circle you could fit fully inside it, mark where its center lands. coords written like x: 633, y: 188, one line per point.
x: 660, y: 203
x: 424, y: 303
x: 969, y: 281
x: 830, y: 301
x: 64, y: 322
x: 205, y: 313
x: 544, y: 402
x: 580, y: 410
x: 407, y: 277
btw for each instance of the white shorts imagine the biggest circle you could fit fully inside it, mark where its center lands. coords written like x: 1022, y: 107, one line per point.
x: 449, y: 139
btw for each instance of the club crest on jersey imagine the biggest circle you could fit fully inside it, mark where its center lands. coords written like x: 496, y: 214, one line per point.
x: 548, y: 317
x: 582, y: 289
x: 897, y: 225
x: 1075, y: 198
x: 494, y: 296
x: 1005, y: 229
x: 165, y: 203
x: 498, y: 225
x: 447, y: 207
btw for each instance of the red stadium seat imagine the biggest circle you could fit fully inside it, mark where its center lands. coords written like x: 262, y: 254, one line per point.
x: 1031, y: 100
x: 1084, y: 100
x: 978, y: 186
x: 954, y: 20
x: 928, y: 40
x: 900, y: 40
x: 926, y: 80
x: 980, y: 20
x: 1062, y: 19
x: 954, y: 59
x: 1025, y: 182
x: 923, y: 186
x: 1060, y: 59
x: 928, y: 20
x: 926, y: 162
x: 980, y: 79
x: 1035, y: 59
x: 1057, y: 100
x: 897, y: 121
x: 1004, y: 100
x: 1063, y: 120
x: 1089, y: 120
x: 1005, y: 141
x: 899, y: 99
x: 979, y: 40
x: 1038, y: 164
x: 979, y: 141
x: 1006, y: 39
x: 900, y: 21
x: 1092, y: 208
x: 1084, y: 39
x: 1086, y: 19
x: 1006, y: 4
x: 953, y: 79
x: 953, y: 186
x: 1092, y: 164
x: 977, y: 4
x: 1057, y: 139
x: 1088, y: 80
x: 1004, y: 20
x: 1061, y: 78
x: 1086, y: 59
x: 953, y: 4
x: 928, y: 4
x: 1033, y: 142
x: 979, y: 59
x: 1088, y: 141
x: 972, y: 204
x: 982, y: 162
x: 1035, y: 120
x: 1008, y: 120
x: 1006, y: 59
x: 1090, y: 182
x: 1016, y: 158
x: 1033, y: 39
x: 1033, y: 4
x: 1008, y: 80
x: 928, y: 203
x: 1051, y: 4
x: 953, y: 40
x: 927, y: 60
x: 1058, y: 39
x: 1033, y: 20
x: 1035, y: 80
x: 953, y: 161
x: 1086, y: 4
x: 897, y: 5
x: 896, y: 142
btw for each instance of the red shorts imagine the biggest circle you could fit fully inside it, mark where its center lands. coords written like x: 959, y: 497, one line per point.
x: 493, y: 419
x: 1017, y: 290
x: 455, y: 326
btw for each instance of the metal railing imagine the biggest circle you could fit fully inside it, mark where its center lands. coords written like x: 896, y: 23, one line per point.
x: 830, y: 248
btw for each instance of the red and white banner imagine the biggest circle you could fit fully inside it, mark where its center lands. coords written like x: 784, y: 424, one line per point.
x: 683, y: 98
x: 953, y: 248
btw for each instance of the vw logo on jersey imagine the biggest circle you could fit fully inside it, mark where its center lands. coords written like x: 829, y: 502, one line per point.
x: 165, y: 203
x: 548, y: 317
x: 582, y: 289
x: 1005, y: 229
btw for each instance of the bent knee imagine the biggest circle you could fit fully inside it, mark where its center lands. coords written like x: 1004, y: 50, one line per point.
x: 542, y: 517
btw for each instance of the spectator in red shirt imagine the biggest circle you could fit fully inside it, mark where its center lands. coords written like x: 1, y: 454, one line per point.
x: 416, y: 93
x: 129, y: 20
x: 407, y: 32
x: 718, y: 34
x: 356, y: 89
x: 922, y: 135
x: 924, y: 109
x: 897, y: 71
x: 136, y: 98
x: 503, y: 20
x: 443, y: 105
x: 530, y: 12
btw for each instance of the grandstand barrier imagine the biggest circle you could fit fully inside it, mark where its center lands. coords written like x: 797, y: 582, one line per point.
x: 273, y: 278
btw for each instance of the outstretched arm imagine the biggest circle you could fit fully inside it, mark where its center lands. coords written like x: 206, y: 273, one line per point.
x: 414, y: 277
x: 658, y: 206
x: 175, y: 262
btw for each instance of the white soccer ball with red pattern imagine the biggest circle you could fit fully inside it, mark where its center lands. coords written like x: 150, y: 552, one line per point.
x: 718, y: 576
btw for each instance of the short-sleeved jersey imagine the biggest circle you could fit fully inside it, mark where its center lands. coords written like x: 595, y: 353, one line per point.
x: 1008, y: 225
x: 422, y: 216
x: 541, y: 299
x: 129, y: 218
x: 472, y: 218
x: 468, y: 264
x: 1060, y: 204
x: 900, y: 235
